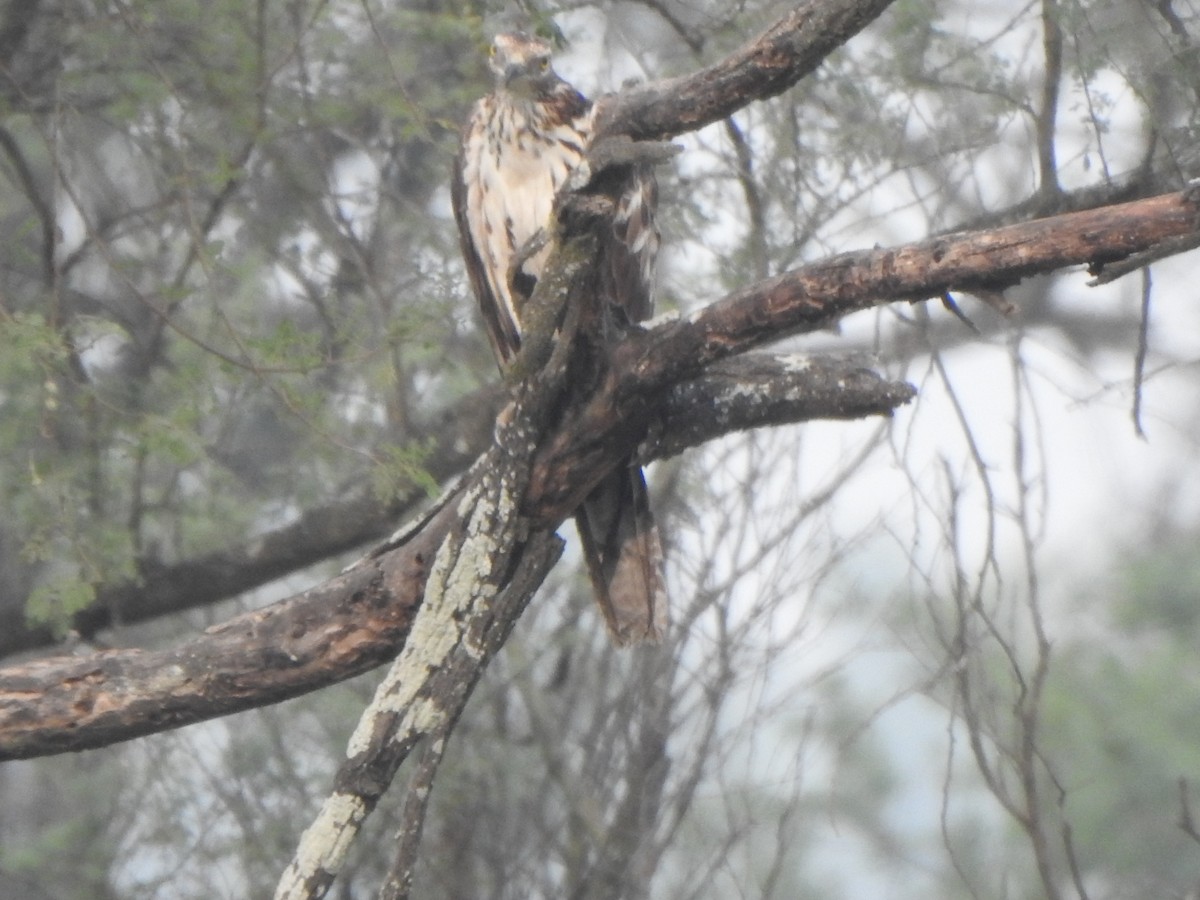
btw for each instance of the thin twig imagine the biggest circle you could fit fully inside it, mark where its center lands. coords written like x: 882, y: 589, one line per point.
x: 1139, y: 361
x: 398, y: 883
x: 1052, y: 45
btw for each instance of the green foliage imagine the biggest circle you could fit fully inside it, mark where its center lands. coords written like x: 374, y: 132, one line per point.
x: 401, y: 468
x: 1124, y: 734
x: 256, y: 293
x: 1161, y: 593
x: 33, y: 349
x: 223, y: 335
x: 53, y: 603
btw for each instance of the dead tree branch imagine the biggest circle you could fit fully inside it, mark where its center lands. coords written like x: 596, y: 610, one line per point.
x: 813, y: 297
x: 480, y: 580
x: 767, y: 66
x: 361, y: 618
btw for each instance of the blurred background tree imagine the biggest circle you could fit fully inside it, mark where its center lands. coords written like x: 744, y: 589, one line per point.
x: 948, y: 657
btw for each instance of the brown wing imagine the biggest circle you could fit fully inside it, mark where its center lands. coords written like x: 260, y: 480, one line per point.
x: 501, y: 330
x: 620, y: 540
x: 632, y: 252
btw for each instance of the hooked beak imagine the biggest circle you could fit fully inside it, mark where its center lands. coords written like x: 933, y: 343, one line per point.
x: 519, y: 80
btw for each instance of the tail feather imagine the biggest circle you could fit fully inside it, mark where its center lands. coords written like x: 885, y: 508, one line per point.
x: 624, y: 557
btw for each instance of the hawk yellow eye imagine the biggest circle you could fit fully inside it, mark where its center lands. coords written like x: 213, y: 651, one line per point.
x: 544, y: 64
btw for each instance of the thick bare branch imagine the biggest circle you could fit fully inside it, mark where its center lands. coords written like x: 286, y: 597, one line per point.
x: 813, y: 297
x: 486, y: 567
x: 340, y: 628
x: 457, y: 631
x: 758, y: 390
x: 769, y: 65
x: 362, y: 618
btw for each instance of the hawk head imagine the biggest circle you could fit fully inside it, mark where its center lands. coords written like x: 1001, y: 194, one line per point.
x: 521, y: 64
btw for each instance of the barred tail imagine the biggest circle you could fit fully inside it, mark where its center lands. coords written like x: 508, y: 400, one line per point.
x: 624, y: 557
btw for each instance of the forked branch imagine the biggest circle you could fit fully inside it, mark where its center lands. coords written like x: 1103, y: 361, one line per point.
x: 360, y: 619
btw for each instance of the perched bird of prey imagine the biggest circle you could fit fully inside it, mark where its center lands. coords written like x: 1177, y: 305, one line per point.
x: 520, y: 145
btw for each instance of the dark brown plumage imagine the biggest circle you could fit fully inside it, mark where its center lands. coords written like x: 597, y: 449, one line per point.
x: 521, y: 143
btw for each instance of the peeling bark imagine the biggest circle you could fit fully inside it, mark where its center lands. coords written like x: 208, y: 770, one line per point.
x: 815, y: 296
x: 359, y: 620
x: 445, y: 593
x: 655, y: 384
x: 484, y: 571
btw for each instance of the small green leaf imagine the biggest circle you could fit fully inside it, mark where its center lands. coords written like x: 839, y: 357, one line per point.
x: 55, y: 603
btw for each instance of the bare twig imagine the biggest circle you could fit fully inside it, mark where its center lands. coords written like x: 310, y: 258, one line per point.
x: 359, y: 620
x: 398, y: 883
x: 1047, y: 131
x: 1139, y: 361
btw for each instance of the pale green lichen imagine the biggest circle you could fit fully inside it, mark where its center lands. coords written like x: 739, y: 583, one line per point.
x: 460, y: 575
x: 795, y: 362
x: 324, y: 844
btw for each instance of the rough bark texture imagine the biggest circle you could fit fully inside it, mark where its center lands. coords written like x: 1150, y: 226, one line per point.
x: 363, y: 617
x: 758, y: 390
x: 67, y: 703
x: 342, y: 627
x: 484, y: 572
x: 767, y: 66
x: 487, y: 565
x: 360, y: 619
x: 813, y: 297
